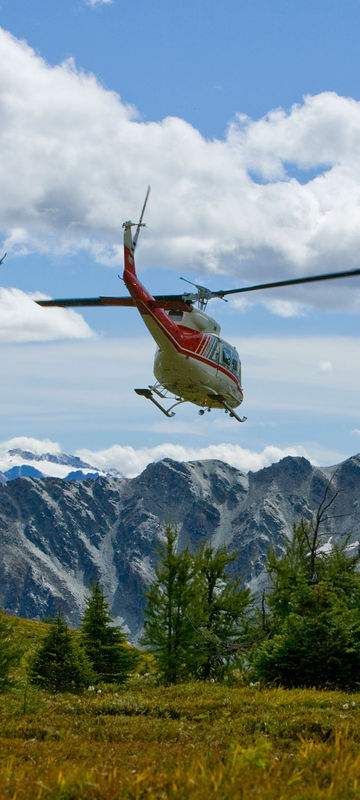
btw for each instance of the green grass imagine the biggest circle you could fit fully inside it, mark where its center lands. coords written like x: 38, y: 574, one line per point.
x: 197, y: 740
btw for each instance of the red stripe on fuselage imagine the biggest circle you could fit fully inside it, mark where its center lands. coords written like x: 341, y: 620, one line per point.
x: 202, y: 346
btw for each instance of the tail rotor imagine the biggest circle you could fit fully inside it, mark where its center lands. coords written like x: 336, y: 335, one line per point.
x: 141, y: 224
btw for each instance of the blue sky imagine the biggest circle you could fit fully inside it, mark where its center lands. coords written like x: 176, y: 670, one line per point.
x: 245, y: 119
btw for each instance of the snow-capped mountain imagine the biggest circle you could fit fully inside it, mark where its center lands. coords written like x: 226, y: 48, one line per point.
x: 18, y: 463
x: 57, y: 537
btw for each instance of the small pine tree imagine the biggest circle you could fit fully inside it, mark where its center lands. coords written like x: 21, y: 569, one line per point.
x: 60, y: 664
x: 10, y: 652
x: 168, y: 630
x: 105, y: 645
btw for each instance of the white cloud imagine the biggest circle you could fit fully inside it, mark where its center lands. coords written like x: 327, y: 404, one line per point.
x: 22, y: 320
x: 98, y: 2
x: 82, y: 160
x: 36, y: 446
x: 130, y: 461
x: 356, y: 431
x: 285, y: 308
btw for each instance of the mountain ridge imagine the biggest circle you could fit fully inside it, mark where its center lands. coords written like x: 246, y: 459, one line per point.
x: 57, y: 537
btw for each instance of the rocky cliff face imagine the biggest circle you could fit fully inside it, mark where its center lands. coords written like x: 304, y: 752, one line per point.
x: 58, y: 536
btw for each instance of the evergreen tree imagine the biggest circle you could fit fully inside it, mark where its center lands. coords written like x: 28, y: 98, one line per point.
x: 311, y: 629
x: 10, y: 652
x: 60, y: 664
x: 218, y: 614
x: 168, y: 631
x: 105, y: 645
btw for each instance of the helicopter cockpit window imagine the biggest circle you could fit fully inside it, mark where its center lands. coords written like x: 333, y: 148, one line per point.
x: 226, y: 356
x: 235, y: 362
x: 213, y: 354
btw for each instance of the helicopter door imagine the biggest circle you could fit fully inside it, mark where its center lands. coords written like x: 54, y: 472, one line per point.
x: 214, y: 352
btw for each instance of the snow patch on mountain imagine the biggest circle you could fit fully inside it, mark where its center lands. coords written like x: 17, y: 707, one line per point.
x: 17, y: 462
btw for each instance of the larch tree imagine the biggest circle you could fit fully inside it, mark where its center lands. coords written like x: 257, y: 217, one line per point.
x: 219, y: 614
x: 168, y: 630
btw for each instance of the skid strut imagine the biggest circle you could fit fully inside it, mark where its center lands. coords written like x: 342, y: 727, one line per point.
x: 149, y: 395
x: 228, y: 408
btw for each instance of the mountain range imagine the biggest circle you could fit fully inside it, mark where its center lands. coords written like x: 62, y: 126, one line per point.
x: 58, y: 536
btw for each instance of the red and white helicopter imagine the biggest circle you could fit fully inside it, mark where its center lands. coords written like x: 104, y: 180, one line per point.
x: 192, y: 362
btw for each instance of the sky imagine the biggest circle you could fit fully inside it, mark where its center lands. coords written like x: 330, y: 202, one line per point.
x: 244, y: 117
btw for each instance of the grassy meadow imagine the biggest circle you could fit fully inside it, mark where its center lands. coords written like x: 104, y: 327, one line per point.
x: 188, y: 741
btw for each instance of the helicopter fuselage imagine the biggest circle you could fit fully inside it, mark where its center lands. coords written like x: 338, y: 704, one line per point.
x: 198, y: 381
x: 199, y: 371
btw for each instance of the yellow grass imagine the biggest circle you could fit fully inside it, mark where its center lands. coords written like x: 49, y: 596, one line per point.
x: 187, y: 741
x: 192, y: 741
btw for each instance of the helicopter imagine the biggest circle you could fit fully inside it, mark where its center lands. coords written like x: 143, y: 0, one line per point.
x: 193, y: 363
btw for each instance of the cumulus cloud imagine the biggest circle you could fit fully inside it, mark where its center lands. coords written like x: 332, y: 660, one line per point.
x: 22, y: 320
x: 130, y: 461
x: 82, y: 159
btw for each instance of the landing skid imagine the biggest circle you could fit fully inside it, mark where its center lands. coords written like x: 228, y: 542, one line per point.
x: 148, y: 393
x: 164, y: 395
x: 228, y: 408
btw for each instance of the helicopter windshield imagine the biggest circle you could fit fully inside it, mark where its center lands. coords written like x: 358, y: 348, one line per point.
x: 230, y: 359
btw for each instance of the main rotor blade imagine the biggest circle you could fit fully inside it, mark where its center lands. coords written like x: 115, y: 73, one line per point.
x: 291, y: 282
x: 168, y: 302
